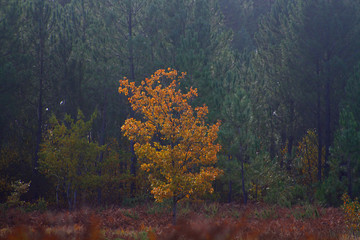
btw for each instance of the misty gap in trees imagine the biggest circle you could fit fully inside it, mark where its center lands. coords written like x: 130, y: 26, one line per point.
x: 283, y: 76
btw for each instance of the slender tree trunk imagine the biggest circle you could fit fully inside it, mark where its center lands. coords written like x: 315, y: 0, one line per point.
x: 230, y: 185
x: 349, y: 175
x: 230, y: 191
x: 327, y: 124
x: 81, y: 77
x: 57, y: 195
x: 272, y: 140
x: 285, y: 143
x: 309, y: 164
x: 68, y: 196
x: 40, y: 97
x: 74, y: 200
x: 319, y: 123
x: 40, y: 58
x: 291, y: 135
x: 133, y: 169
x: 131, y: 50
x: 102, y: 140
x: 256, y: 191
x: 174, y: 205
x: 243, y: 180
x: 132, y: 78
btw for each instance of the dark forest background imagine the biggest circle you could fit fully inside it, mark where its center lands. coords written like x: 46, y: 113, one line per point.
x: 283, y: 76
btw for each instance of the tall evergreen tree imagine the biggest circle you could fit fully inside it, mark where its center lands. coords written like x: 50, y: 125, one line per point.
x: 302, y: 60
x: 235, y: 137
x: 345, y: 152
x: 11, y: 64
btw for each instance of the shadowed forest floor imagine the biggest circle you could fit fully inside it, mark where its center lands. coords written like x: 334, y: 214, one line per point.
x: 196, y: 221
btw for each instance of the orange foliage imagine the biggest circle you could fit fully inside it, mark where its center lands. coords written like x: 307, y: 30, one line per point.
x: 352, y: 214
x: 172, y: 141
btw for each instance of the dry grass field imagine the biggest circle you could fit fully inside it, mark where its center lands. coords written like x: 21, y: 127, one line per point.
x: 195, y: 221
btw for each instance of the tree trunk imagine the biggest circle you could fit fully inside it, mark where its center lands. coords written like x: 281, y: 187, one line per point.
x: 68, y: 196
x: 40, y: 58
x: 327, y: 125
x: 319, y: 128
x: 133, y: 169
x: 230, y: 184
x: 174, y: 204
x: 132, y: 78
x: 243, y: 180
x: 57, y: 195
x: 130, y: 35
x: 230, y: 192
x: 272, y: 139
x: 102, y: 141
x: 291, y: 135
x: 74, y: 199
x: 349, y: 175
x: 40, y: 53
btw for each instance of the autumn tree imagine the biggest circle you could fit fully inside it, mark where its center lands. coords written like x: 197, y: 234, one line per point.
x: 307, y: 153
x: 174, y: 144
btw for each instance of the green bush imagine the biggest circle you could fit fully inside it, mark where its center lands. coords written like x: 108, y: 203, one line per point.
x: 330, y: 191
x: 19, y: 188
x: 285, y: 194
x: 138, y: 199
x: 40, y: 205
x: 308, y: 211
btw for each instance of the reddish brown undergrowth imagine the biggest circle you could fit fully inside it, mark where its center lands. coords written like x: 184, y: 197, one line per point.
x: 226, y: 221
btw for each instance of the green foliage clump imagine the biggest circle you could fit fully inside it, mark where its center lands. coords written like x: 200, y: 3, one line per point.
x: 68, y: 154
x: 307, y: 211
x: 211, y: 210
x: 330, y: 191
x: 40, y: 205
x: 344, y: 164
x: 159, y: 207
x: 19, y: 188
x: 272, y: 184
x: 285, y: 193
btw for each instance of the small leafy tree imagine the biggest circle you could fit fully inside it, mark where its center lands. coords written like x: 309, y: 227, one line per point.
x: 69, y: 154
x: 307, y: 153
x: 172, y: 141
x: 352, y: 214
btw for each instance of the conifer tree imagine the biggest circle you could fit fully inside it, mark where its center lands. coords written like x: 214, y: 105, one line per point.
x: 300, y: 68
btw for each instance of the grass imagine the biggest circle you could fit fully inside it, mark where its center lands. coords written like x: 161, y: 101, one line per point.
x: 306, y: 212
x: 266, y: 213
x: 211, y: 209
x: 224, y: 221
x: 131, y: 214
x: 158, y: 208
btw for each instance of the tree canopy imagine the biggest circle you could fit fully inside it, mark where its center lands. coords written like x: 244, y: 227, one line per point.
x: 172, y: 141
